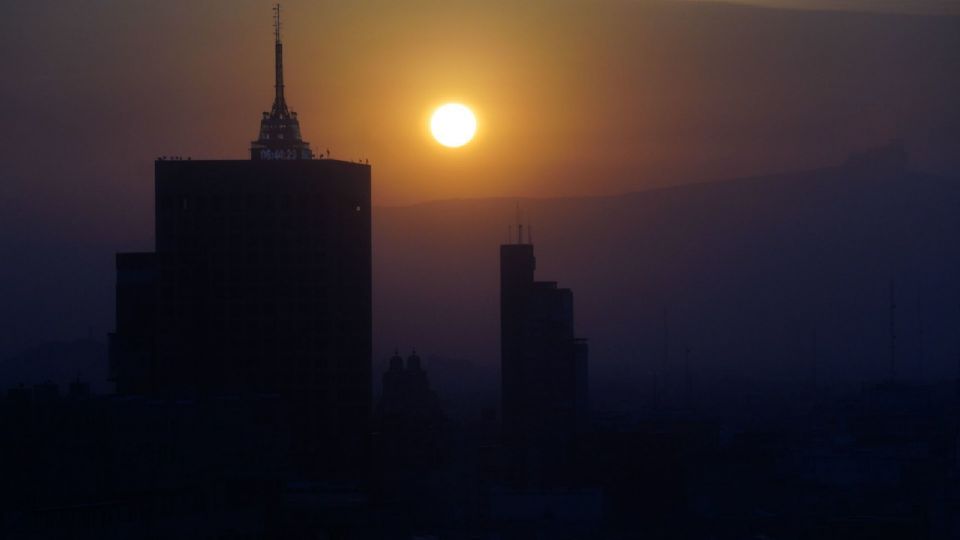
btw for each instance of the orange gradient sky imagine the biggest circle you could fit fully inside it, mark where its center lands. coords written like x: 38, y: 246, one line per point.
x: 573, y: 97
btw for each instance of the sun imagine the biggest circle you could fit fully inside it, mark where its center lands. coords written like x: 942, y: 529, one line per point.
x: 453, y: 125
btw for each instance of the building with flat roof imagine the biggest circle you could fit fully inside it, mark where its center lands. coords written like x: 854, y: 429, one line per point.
x: 543, y: 369
x: 260, y: 283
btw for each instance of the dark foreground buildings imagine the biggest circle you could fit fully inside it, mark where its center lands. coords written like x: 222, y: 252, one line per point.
x: 543, y: 370
x: 260, y: 285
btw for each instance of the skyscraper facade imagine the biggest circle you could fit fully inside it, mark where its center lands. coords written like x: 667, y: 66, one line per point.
x: 260, y: 285
x: 543, y: 364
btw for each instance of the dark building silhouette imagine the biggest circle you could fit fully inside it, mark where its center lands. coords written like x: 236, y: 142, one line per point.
x: 409, y: 417
x: 260, y: 285
x: 133, y: 345
x: 412, y: 445
x: 543, y: 364
x: 407, y: 396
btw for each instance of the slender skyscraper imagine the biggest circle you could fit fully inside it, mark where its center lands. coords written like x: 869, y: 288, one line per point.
x: 260, y: 285
x: 543, y: 367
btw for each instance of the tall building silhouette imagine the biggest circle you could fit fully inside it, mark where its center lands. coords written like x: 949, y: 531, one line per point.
x: 543, y: 364
x: 260, y: 284
x: 407, y: 397
x: 409, y: 417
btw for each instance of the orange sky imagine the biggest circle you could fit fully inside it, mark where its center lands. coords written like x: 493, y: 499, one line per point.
x: 573, y: 97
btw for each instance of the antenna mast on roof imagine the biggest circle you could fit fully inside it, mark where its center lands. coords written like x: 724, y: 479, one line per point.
x: 279, y: 101
x: 276, y: 21
x: 279, y: 136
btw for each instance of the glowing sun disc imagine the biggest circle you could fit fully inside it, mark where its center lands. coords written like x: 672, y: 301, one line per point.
x: 453, y: 125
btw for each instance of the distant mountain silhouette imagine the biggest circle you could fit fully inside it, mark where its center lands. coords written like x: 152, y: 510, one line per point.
x: 775, y: 278
x: 59, y: 362
x: 780, y: 277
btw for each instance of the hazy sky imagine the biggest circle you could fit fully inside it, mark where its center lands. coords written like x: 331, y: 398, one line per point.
x: 925, y: 7
x: 573, y: 98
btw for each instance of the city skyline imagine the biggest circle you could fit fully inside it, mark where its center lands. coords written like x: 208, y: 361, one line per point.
x: 657, y: 106
x: 97, y: 208
x: 351, y: 337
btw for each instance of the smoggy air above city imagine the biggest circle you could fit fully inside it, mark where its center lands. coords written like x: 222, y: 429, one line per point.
x: 561, y: 269
x: 571, y: 100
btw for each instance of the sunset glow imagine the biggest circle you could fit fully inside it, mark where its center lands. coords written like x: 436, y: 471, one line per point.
x: 453, y: 125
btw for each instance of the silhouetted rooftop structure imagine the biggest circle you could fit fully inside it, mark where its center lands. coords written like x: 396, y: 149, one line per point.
x: 279, y: 136
x: 260, y: 284
x: 407, y: 397
x: 543, y: 367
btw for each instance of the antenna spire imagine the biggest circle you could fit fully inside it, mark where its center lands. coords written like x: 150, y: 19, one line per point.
x: 279, y: 103
x: 276, y: 22
x: 279, y: 136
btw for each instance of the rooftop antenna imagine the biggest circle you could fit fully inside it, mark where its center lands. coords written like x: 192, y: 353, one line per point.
x: 279, y: 103
x: 529, y: 233
x: 276, y: 22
